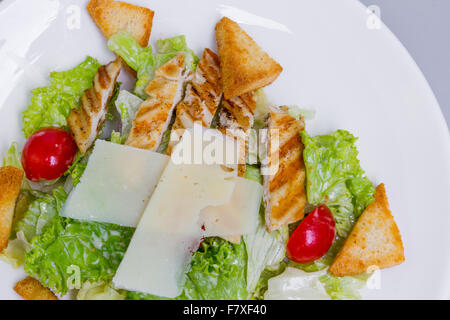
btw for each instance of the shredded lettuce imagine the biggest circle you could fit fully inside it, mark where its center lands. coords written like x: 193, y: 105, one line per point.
x: 218, y: 272
x: 51, y: 105
x: 67, y: 245
x: 335, y: 178
x: 144, y: 61
x: 99, y: 290
x: 12, y: 157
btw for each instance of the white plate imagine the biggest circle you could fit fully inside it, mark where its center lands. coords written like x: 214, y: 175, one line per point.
x: 357, y: 78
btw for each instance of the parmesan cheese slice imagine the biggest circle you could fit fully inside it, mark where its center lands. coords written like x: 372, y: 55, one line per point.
x: 116, y: 185
x: 239, y: 216
x: 195, y: 197
x: 169, y: 231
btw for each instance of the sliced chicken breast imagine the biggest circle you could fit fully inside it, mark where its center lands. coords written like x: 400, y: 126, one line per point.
x: 85, y: 122
x: 236, y: 117
x: 284, y: 194
x: 155, y: 113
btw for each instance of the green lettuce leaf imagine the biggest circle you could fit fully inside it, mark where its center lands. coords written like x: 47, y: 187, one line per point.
x: 116, y: 138
x: 40, y: 212
x: 14, y: 254
x: 144, y: 61
x: 77, y: 168
x: 218, y: 272
x: 335, y: 178
x: 67, y: 245
x: 51, y: 105
x: 253, y: 173
x: 265, y: 251
x: 127, y: 104
x: 12, y: 157
x: 294, y: 284
x: 343, y: 288
x: 99, y: 290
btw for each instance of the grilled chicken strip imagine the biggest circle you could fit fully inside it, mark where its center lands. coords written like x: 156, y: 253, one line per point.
x: 155, y: 113
x: 202, y: 95
x: 236, y: 117
x: 284, y: 194
x: 85, y: 122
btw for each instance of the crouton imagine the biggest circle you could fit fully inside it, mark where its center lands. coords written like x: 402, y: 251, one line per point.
x: 244, y: 65
x: 31, y: 289
x: 10, y: 184
x: 113, y: 16
x: 374, y: 242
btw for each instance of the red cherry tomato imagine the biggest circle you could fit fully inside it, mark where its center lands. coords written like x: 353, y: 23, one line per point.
x: 313, y: 236
x: 48, y: 153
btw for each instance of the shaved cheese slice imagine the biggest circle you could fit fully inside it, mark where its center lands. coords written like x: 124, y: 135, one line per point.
x: 116, y: 185
x: 237, y: 217
x: 168, y: 233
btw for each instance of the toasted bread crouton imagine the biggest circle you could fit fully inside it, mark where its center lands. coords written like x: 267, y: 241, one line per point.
x: 374, y: 242
x: 284, y: 194
x: 10, y: 184
x: 31, y: 289
x: 244, y: 65
x: 113, y: 16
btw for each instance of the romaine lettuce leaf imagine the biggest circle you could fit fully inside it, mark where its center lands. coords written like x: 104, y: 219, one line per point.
x: 264, y: 250
x: 335, y: 178
x: 40, y: 212
x: 127, y: 104
x: 253, y: 173
x: 12, y: 157
x: 14, y: 254
x: 218, y: 272
x: 100, y: 290
x: 95, y: 249
x: 77, y: 168
x: 144, y: 61
x: 343, y: 288
x: 295, y: 284
x: 51, y: 105
x: 116, y: 138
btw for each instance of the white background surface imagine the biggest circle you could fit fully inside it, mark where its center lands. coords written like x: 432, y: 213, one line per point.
x: 355, y: 78
x: 423, y: 26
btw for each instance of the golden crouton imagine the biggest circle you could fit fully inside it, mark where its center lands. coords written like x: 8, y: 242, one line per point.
x: 244, y: 65
x: 113, y: 16
x: 374, y: 242
x: 10, y: 183
x: 31, y: 289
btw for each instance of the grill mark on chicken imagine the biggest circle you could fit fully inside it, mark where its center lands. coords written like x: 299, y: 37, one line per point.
x: 155, y: 113
x: 86, y: 121
x: 284, y: 194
